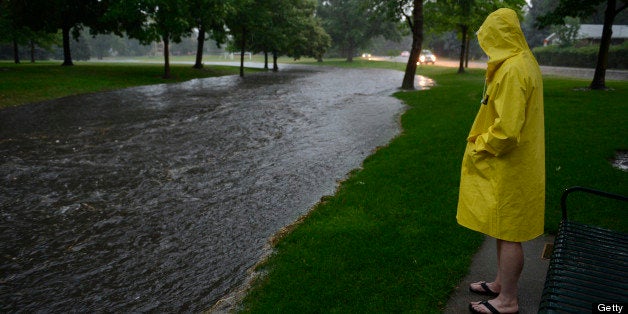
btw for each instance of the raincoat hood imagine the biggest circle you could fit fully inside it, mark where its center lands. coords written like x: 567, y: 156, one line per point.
x: 500, y: 37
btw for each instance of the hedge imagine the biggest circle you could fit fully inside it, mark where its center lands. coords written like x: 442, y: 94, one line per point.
x: 585, y: 57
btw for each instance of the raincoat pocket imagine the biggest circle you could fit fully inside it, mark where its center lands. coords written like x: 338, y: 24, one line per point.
x: 480, y: 162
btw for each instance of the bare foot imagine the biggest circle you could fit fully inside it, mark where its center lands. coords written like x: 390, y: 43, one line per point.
x: 485, y: 288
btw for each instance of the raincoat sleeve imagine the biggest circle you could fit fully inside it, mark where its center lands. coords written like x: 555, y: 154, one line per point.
x: 508, y: 102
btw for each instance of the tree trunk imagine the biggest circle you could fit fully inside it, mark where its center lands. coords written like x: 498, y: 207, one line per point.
x: 166, y: 56
x: 599, y: 78
x: 199, y: 48
x: 350, y: 51
x: 265, y: 60
x: 16, y: 52
x: 275, y: 66
x: 32, y: 44
x: 416, y: 25
x: 466, y: 52
x: 67, y: 55
x: 463, y: 42
x: 243, y: 49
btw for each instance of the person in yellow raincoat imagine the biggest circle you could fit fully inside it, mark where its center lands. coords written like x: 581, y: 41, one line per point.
x: 502, y: 183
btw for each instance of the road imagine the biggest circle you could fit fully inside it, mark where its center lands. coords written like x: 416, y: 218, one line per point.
x: 583, y: 73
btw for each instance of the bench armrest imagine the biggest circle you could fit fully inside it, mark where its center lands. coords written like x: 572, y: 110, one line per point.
x: 563, y: 199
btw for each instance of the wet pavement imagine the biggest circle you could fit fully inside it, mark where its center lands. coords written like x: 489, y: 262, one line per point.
x: 160, y: 198
x: 484, y: 268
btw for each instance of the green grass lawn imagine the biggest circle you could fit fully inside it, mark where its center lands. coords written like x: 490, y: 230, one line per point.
x: 387, y: 241
x: 27, y: 82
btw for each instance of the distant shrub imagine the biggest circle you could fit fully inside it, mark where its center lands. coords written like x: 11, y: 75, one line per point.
x: 583, y: 57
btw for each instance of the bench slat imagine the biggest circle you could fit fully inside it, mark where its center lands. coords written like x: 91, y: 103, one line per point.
x: 580, y: 282
x: 598, y: 274
x: 589, y: 265
x: 593, y: 234
x: 589, y: 255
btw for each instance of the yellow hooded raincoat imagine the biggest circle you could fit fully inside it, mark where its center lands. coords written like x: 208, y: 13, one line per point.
x: 502, y: 184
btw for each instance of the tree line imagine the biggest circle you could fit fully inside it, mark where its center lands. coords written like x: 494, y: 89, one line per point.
x: 294, y: 28
x: 279, y: 27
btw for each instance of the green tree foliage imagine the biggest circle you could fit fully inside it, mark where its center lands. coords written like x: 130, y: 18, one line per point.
x: 246, y: 16
x: 161, y: 21
x: 410, y: 11
x: 169, y: 21
x: 353, y: 23
x: 208, y: 17
x: 584, y: 9
x: 50, y: 16
x: 23, y: 23
x: 271, y: 29
x: 15, y: 31
x: 10, y: 30
x: 537, y: 8
x: 310, y: 39
x: 465, y: 16
x: 296, y: 31
x: 280, y: 27
x: 102, y: 45
x: 567, y: 32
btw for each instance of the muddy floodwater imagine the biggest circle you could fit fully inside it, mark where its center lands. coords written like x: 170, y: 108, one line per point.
x: 160, y: 198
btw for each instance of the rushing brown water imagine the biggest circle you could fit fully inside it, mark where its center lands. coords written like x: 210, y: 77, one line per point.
x: 161, y: 197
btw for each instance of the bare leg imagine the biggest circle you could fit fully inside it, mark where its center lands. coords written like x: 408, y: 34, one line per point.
x: 510, y: 265
x: 496, y: 284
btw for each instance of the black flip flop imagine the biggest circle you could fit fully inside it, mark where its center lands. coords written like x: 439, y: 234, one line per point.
x: 487, y: 291
x: 488, y: 306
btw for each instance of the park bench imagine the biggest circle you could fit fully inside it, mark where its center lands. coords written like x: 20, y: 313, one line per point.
x: 588, y: 265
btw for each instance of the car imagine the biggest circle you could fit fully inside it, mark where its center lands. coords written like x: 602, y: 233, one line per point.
x: 426, y: 57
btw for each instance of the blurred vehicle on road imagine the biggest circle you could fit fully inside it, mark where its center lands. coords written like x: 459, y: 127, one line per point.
x: 426, y: 56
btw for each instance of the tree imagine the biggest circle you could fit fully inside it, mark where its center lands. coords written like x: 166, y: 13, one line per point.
x: 309, y: 39
x: 270, y: 30
x: 208, y: 16
x: 149, y: 21
x: 79, y: 48
x: 168, y: 20
x: 293, y: 30
x: 448, y: 15
x: 537, y: 8
x: 412, y: 12
x: 10, y: 31
x: 582, y: 9
x: 568, y: 32
x: 15, y: 28
x: 465, y: 16
x: 102, y: 45
x: 353, y: 23
x: 245, y: 17
x: 65, y: 15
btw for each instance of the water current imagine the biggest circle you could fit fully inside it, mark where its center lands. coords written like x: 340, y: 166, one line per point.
x: 160, y: 198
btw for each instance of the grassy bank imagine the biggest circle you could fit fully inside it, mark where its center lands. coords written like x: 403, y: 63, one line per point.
x: 26, y: 82
x: 387, y: 241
